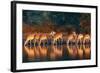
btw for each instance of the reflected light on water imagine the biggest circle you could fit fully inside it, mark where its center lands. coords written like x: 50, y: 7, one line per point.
x: 56, y: 53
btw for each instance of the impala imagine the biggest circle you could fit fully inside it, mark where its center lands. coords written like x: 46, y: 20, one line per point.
x: 80, y: 39
x: 86, y: 39
x: 29, y: 39
x: 71, y: 38
x: 56, y: 37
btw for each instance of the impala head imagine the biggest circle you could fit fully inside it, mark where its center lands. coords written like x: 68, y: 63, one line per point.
x: 87, y: 36
x: 52, y: 33
x: 74, y: 33
x: 80, y: 36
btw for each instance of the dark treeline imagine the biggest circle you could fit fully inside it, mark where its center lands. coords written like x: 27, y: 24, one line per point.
x: 56, y: 21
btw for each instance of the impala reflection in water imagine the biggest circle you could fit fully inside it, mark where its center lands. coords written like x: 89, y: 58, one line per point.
x: 56, y: 53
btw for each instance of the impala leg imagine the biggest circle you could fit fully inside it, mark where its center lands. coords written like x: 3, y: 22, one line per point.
x: 40, y: 43
x: 34, y: 42
x: 43, y: 43
x: 53, y: 42
x: 77, y: 42
x: 26, y: 42
x: 67, y: 42
x: 46, y: 42
x: 30, y: 43
x: 61, y: 41
x: 83, y: 41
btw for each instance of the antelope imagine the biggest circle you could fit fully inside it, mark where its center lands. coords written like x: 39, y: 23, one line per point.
x: 29, y: 39
x: 56, y: 37
x: 36, y: 38
x: 71, y: 38
x: 43, y: 37
x: 86, y: 38
x: 80, y: 39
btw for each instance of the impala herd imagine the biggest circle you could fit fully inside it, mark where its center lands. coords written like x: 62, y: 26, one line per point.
x: 55, y: 38
x: 52, y: 46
